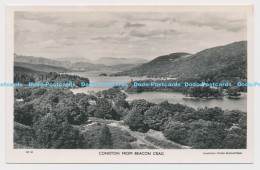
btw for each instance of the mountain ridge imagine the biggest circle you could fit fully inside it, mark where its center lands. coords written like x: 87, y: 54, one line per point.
x: 42, y: 67
x: 184, y: 65
x: 111, y: 61
x: 81, y: 65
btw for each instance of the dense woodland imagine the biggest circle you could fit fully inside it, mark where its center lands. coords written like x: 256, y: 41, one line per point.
x: 25, y: 75
x: 52, y: 118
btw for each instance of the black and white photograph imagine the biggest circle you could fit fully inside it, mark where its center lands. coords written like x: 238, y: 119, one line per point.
x: 131, y: 82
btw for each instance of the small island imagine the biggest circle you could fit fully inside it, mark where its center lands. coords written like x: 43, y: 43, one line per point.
x: 102, y: 74
x: 233, y: 92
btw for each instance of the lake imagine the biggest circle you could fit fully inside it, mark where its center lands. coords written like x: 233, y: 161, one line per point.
x: 176, y: 97
x: 94, y: 77
x: 158, y: 97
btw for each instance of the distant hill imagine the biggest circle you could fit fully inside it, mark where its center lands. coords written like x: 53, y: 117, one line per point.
x: 110, y: 61
x: 123, y: 67
x: 21, y: 70
x: 40, y: 60
x: 223, y: 61
x: 42, y: 67
x: 158, y: 67
x: 66, y: 65
x: 75, y: 59
x: 81, y: 64
x: 86, y: 66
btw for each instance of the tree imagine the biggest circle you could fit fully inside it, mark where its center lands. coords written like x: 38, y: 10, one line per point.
x: 210, y: 114
x: 113, y: 94
x: 91, y: 110
x: 53, y: 131
x: 122, y: 103
x: 23, y: 93
x: 155, y: 117
x: 233, y: 117
x: 205, y: 91
x: 206, y: 135
x: 71, y: 111
x: 242, y: 122
x: 140, y: 105
x: 38, y: 92
x: 233, y: 91
x: 41, y: 108
x: 105, y: 138
x: 104, y: 109
x: 177, y: 132
x: 128, y: 146
x: 83, y: 104
x: 135, y: 121
x: 121, y: 109
x: 194, y: 92
x: 24, y: 113
x: 174, y: 108
x: 235, y: 139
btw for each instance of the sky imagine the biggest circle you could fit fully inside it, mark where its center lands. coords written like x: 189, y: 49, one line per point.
x: 93, y: 35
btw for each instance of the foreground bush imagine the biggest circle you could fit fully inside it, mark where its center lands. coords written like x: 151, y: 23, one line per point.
x: 235, y: 139
x: 135, y: 121
x: 105, y: 138
x: 177, y: 132
x: 155, y: 117
x: 55, y: 132
x: 206, y: 135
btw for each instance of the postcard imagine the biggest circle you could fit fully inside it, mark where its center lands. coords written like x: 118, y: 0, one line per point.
x: 129, y: 84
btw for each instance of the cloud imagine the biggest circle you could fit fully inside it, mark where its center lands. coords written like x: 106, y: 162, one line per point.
x: 31, y: 16
x: 63, y: 23
x: 101, y: 38
x: 63, y: 20
x: 161, y: 19
x: 119, y: 37
x: 144, y: 34
x: 153, y: 33
x: 101, y: 24
x: 232, y: 22
x: 135, y: 25
x: 58, y: 43
x: 49, y: 44
x: 135, y: 35
x: 216, y: 22
x: 44, y: 18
